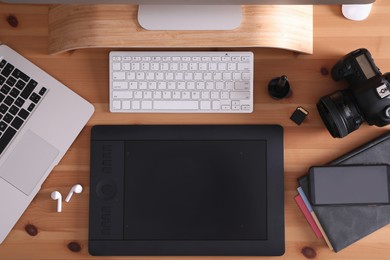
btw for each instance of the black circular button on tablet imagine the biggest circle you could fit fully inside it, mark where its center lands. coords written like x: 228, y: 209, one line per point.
x: 106, y: 189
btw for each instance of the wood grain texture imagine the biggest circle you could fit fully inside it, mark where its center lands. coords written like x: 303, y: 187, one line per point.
x: 85, y: 26
x: 86, y: 72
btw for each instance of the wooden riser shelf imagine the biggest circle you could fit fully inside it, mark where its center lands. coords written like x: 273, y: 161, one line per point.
x: 115, y: 26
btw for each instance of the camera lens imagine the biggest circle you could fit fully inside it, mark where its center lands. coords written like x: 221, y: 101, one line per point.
x: 339, y: 113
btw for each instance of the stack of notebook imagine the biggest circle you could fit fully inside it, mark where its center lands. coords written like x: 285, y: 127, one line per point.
x: 341, y: 226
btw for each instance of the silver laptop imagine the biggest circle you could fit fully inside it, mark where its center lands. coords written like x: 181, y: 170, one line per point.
x: 39, y: 120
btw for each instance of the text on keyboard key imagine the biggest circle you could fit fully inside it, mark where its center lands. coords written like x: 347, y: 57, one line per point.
x: 119, y: 85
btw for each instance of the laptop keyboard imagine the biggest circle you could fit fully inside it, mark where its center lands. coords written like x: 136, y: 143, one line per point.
x: 19, y: 97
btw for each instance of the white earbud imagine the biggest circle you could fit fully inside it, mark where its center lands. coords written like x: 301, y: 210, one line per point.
x: 55, y: 195
x: 75, y: 189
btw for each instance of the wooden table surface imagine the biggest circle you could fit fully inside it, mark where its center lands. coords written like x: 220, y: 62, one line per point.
x: 25, y: 29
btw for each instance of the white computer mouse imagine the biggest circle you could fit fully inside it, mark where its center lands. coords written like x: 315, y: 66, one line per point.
x: 356, y: 12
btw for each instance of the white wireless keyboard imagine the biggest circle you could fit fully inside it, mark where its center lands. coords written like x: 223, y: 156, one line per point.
x: 181, y: 82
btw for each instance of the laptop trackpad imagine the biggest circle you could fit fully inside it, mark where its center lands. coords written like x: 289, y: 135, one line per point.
x: 28, y: 162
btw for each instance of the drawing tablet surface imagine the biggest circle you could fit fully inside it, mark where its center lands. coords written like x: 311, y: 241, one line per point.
x: 186, y: 190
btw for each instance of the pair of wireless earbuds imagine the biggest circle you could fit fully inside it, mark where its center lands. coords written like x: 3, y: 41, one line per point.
x: 56, y: 195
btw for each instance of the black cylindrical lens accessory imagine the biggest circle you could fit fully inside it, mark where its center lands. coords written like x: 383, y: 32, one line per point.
x: 279, y: 87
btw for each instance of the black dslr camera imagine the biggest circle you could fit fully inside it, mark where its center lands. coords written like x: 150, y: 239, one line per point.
x: 367, y: 99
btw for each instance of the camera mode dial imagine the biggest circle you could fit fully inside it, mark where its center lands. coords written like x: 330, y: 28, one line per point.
x: 387, y: 111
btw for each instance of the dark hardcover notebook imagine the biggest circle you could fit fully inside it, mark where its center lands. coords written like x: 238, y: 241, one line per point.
x: 345, y: 225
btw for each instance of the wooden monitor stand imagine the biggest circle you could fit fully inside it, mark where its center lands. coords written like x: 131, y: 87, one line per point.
x: 115, y: 26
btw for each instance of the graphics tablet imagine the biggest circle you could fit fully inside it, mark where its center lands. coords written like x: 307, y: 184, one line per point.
x: 187, y: 190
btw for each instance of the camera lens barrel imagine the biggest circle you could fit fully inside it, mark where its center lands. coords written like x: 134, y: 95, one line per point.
x: 339, y: 113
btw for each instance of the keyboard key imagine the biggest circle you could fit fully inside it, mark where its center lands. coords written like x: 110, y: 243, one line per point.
x: 116, y: 66
x: 215, y: 95
x: 157, y: 94
x: 122, y: 94
x: 166, y: 95
x: 245, y: 58
x: 14, y: 110
x: 246, y: 76
x: 7, y: 70
x: 5, y: 89
x: 126, y: 104
x: 119, y: 75
x: 19, y: 102
x: 205, y: 105
x: 224, y: 95
x: 9, y: 100
x: 2, y: 80
x: 148, y: 95
x: 136, y: 104
x: 35, y: 97
x: 11, y: 81
x: 236, y: 58
x: 138, y: 94
x: 216, y: 105
x: 244, y: 66
x: 116, y: 105
x: 42, y: 91
x: 6, y: 138
x: 14, y: 92
x: 3, y: 108
x: 1, y: 97
x: 146, y: 104
x: 20, y: 84
x: 120, y: 85
x: 245, y: 107
x: 17, y: 123
x: 2, y: 63
x: 186, y: 95
x: 8, y: 118
x: 185, y: 105
x: 23, y: 113
x: 3, y: 126
x: 28, y: 89
x: 242, y: 85
x: 20, y: 75
x: 240, y: 95
x: 31, y: 107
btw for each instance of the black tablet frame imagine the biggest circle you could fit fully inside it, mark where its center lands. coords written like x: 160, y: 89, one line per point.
x: 105, y: 189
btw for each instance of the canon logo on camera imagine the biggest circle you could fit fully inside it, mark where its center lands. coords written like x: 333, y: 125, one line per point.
x: 383, y: 91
